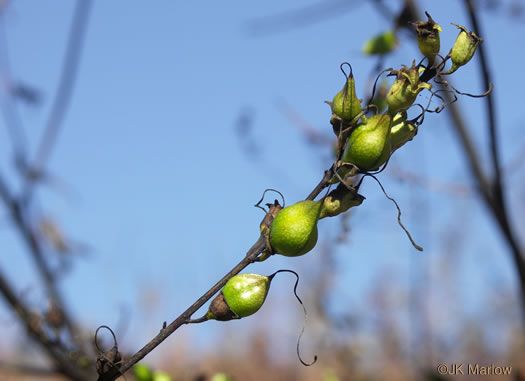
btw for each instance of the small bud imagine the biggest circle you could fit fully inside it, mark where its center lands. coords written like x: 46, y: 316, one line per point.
x: 428, y: 38
x: 345, y: 104
x: 381, y: 44
x: 368, y: 146
x: 294, y: 229
x: 241, y: 296
x: 405, y: 89
x: 402, y: 131
x: 463, y: 49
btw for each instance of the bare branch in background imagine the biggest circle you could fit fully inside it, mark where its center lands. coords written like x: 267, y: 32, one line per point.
x: 63, y: 96
x: 305, y: 16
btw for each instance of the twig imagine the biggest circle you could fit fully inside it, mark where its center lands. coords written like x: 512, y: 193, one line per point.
x: 251, y: 256
x: 328, y: 174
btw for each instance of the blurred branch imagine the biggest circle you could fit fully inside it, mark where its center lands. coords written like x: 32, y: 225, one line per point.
x: 301, y: 17
x: 497, y: 186
x: 491, y: 193
x: 310, y: 132
x: 12, y: 119
x: 497, y: 199
x: 28, y: 236
x: 63, y: 96
x: 32, y: 323
x: 430, y: 183
x: 27, y: 370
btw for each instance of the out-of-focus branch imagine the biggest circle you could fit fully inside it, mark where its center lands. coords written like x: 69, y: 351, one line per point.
x: 65, y: 364
x: 63, y: 96
x: 22, y: 226
x: 499, y: 208
x: 493, y: 198
x: 497, y: 186
x: 27, y: 370
x: 304, y: 16
x: 12, y: 119
x: 430, y: 183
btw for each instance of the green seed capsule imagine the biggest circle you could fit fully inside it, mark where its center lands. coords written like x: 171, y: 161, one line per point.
x: 242, y: 296
x: 142, y: 372
x: 401, y: 131
x: 428, y: 38
x: 405, y: 89
x: 345, y: 104
x: 463, y: 49
x: 294, y: 229
x: 381, y: 44
x: 368, y: 146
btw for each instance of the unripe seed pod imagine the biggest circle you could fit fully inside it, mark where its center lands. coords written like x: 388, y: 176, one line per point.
x: 381, y: 44
x: 402, y: 131
x: 405, y: 89
x: 428, y: 38
x: 142, y: 372
x: 463, y: 49
x: 241, y: 296
x: 368, y: 147
x: 294, y: 229
x: 345, y: 104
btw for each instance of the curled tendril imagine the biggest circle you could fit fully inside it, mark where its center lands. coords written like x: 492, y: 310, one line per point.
x: 491, y: 86
x: 115, y: 345
x: 418, y: 120
x: 343, y: 70
x: 374, y: 88
x: 109, y: 359
x: 416, y: 246
x: 258, y: 205
x: 305, y: 314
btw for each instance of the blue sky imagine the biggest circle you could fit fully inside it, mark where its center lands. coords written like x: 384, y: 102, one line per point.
x: 160, y: 187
